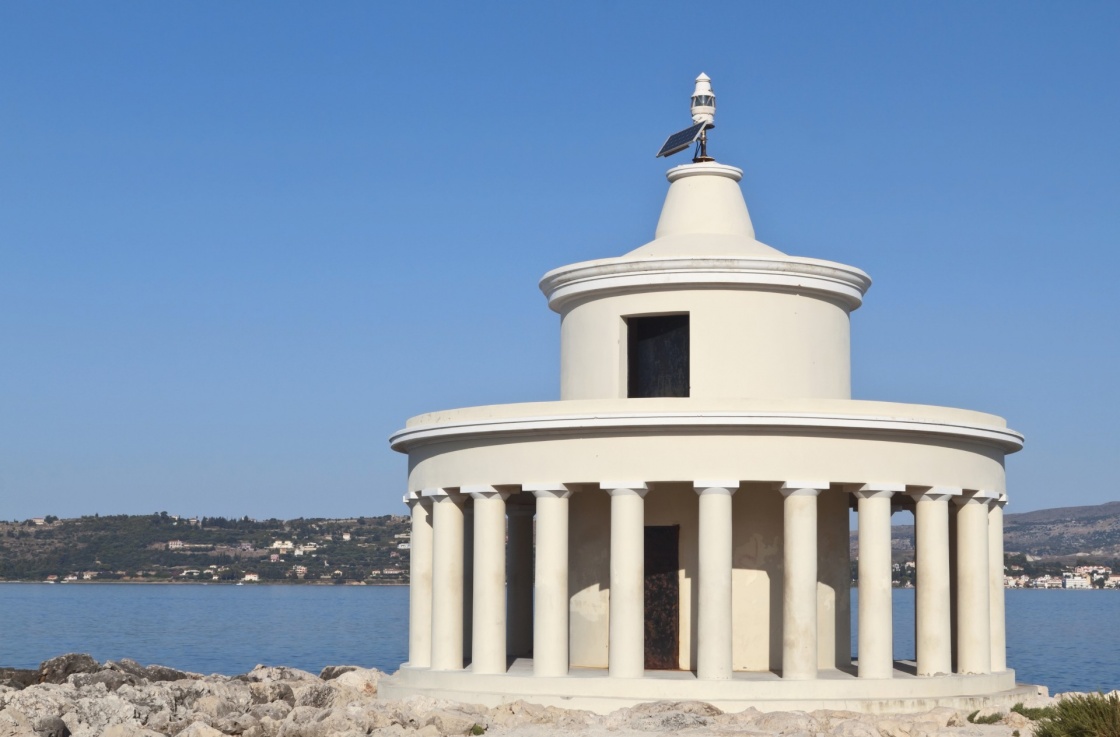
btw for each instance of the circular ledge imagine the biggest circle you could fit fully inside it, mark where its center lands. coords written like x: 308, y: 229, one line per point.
x: 663, y: 422
x: 824, y: 278
x: 708, y: 168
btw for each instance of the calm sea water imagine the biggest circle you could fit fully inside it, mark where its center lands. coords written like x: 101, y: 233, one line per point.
x: 1067, y: 640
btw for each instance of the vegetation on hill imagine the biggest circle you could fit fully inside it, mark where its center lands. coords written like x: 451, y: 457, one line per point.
x: 1044, y: 541
x: 165, y: 547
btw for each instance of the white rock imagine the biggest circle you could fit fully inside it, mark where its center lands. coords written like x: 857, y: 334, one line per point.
x: 361, y: 680
x: 129, y: 730
x: 200, y: 729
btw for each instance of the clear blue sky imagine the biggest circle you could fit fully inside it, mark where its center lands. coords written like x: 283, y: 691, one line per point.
x: 241, y: 243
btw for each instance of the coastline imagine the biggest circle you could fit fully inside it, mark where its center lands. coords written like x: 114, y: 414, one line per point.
x: 204, y: 583
x: 75, y: 695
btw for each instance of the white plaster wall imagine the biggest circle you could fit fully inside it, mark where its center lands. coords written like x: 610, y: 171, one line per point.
x: 744, y: 343
x: 589, y: 546
x: 756, y: 579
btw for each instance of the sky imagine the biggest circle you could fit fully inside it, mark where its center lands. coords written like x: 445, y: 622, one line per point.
x: 241, y: 243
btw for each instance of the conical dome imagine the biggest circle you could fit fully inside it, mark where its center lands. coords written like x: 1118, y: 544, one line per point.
x: 704, y: 215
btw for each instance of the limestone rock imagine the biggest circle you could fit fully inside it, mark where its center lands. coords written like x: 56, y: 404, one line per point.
x: 18, y: 678
x: 360, y: 679
x: 786, y: 722
x: 129, y: 730
x: 266, y: 692
x: 263, y: 673
x: 200, y: 729
x: 14, y: 723
x: 110, y: 679
x: 51, y: 727
x: 57, y: 670
x: 334, y: 671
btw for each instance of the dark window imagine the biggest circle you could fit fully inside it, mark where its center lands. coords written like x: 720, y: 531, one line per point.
x: 657, y: 356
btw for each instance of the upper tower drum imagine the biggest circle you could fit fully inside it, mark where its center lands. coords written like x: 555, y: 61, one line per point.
x: 705, y: 309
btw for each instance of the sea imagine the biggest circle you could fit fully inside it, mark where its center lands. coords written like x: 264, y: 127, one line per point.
x: 1065, y: 640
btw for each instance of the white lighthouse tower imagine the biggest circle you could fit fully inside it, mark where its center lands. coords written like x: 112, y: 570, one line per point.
x: 676, y: 526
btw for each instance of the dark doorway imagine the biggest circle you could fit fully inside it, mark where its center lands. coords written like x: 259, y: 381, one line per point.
x: 662, y: 598
x: 657, y: 356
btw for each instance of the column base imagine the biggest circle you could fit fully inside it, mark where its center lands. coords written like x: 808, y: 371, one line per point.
x: 592, y: 689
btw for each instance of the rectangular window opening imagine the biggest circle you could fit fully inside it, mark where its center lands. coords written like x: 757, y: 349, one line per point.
x: 657, y: 356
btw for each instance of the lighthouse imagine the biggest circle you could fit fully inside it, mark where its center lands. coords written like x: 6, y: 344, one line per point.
x: 677, y: 524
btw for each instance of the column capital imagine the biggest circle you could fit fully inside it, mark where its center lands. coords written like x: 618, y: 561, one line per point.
x: 552, y: 490
x: 878, y: 490
x: 625, y: 488
x: 715, y: 486
x: 803, y: 488
x: 975, y: 496
x: 552, y: 493
x: 441, y: 494
x: 1001, y: 502
x: 935, y: 493
x: 484, y: 491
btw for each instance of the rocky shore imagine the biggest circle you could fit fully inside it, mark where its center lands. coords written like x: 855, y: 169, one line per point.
x: 75, y: 696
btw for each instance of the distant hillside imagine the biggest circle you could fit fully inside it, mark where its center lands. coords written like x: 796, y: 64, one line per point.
x: 1064, y: 532
x: 163, y: 547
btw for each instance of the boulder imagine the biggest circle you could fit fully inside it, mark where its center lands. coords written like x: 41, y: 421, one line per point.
x: 360, y: 680
x: 264, y: 673
x: 163, y: 673
x: 671, y: 716
x: 200, y: 729
x: 15, y: 723
x: 266, y: 692
x: 786, y: 722
x: 129, y: 730
x: 51, y: 727
x: 18, y: 677
x: 110, y: 679
x: 57, y: 670
x: 334, y: 671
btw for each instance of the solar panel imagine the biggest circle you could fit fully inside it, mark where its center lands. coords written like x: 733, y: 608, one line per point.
x: 682, y: 140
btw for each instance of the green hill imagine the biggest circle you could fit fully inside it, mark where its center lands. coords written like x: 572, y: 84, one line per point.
x: 163, y: 547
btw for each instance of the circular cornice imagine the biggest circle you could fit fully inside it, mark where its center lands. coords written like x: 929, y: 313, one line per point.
x: 707, y: 168
x: 621, y: 275
x: 642, y: 423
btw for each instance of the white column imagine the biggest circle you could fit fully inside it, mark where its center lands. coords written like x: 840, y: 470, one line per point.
x: 420, y: 582
x: 799, y: 579
x: 876, y: 630
x: 974, y: 623
x: 934, y: 639
x: 626, y: 658
x: 519, y: 599
x: 488, y: 619
x: 995, y: 583
x: 447, y: 579
x: 713, y: 649
x: 550, y: 585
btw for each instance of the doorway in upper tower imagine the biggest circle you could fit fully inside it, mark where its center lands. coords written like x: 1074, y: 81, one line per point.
x: 657, y: 349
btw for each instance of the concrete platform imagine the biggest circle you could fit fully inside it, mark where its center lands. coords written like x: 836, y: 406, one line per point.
x: 593, y: 690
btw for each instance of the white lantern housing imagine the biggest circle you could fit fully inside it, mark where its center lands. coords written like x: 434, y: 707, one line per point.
x: 703, y: 100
